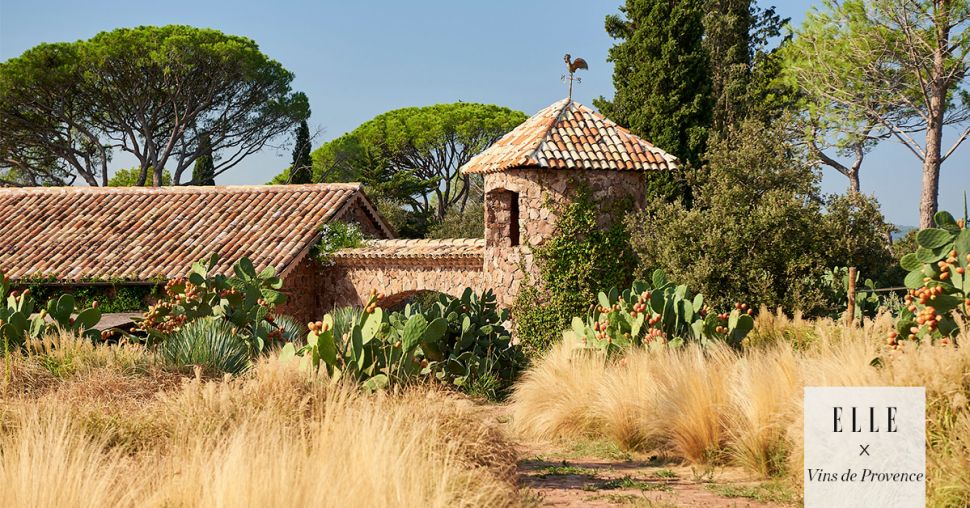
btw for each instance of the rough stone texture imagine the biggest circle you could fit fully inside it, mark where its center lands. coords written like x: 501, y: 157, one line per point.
x: 304, y: 289
x: 349, y: 282
x: 540, y: 193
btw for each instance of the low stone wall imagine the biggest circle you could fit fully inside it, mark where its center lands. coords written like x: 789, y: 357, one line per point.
x: 349, y: 282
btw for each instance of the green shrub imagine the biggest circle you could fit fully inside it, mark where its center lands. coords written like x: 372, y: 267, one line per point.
x: 461, y: 224
x: 19, y: 322
x: 212, y: 344
x: 344, y: 319
x: 111, y: 297
x: 759, y: 230
x: 291, y: 331
x: 335, y: 236
x: 476, y: 352
x: 581, y: 258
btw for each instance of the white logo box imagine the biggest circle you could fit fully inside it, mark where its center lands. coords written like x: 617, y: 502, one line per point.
x: 865, y: 446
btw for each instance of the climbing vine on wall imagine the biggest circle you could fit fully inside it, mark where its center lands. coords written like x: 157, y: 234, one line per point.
x: 579, y: 260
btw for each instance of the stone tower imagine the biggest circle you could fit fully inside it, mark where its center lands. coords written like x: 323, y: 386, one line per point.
x: 537, y: 166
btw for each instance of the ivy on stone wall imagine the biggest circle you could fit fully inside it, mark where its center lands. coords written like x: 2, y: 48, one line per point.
x: 580, y: 259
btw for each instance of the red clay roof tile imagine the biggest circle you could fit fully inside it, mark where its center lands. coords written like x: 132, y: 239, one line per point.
x: 570, y: 135
x: 75, y: 234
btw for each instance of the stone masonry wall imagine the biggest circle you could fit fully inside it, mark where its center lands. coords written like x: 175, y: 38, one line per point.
x: 303, y: 290
x: 540, y: 191
x: 350, y: 282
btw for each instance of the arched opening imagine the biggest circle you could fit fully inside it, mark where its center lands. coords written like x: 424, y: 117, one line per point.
x: 502, y: 217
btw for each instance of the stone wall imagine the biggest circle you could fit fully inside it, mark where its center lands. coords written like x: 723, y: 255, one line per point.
x: 304, y: 291
x: 313, y: 289
x: 349, y: 282
x: 540, y: 192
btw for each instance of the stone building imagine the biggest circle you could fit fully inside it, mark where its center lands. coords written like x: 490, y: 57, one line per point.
x: 96, y: 236
x: 538, y: 166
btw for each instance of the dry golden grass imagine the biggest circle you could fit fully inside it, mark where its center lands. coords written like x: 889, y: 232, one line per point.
x: 715, y: 405
x: 100, y: 434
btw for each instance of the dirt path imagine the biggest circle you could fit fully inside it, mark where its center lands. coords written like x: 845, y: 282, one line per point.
x: 600, y: 475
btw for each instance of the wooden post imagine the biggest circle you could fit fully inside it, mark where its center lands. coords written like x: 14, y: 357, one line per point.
x: 850, y: 311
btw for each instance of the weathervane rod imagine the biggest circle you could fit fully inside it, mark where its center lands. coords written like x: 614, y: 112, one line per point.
x: 572, y: 66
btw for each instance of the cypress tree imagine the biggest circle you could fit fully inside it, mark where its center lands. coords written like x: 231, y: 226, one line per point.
x: 661, y: 74
x: 727, y: 27
x: 301, y: 170
x: 203, y: 172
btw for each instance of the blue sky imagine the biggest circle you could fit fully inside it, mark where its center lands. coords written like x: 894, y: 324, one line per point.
x: 358, y: 59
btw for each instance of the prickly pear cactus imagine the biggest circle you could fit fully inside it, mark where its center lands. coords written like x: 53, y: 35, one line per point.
x: 19, y: 322
x: 453, y: 341
x: 655, y: 315
x: 938, y: 284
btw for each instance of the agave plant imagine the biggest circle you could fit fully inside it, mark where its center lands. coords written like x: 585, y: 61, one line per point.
x: 291, y: 332
x: 211, y: 344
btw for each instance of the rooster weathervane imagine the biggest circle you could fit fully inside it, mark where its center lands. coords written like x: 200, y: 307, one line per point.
x: 572, y: 66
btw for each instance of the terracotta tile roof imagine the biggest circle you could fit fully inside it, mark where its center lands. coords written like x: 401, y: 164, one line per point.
x: 452, y: 248
x: 75, y: 234
x: 568, y: 135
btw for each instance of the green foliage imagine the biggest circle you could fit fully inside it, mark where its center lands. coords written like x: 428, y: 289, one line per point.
x: 110, y: 297
x: 469, y: 223
x: 758, y: 236
x: 19, y: 323
x: 656, y: 314
x: 128, y: 177
x: 212, y: 344
x: 868, y: 303
x: 743, y: 70
x: 204, y: 171
x: 245, y: 300
x: 291, y: 332
x: 301, y: 169
x: 457, y: 341
x: 581, y: 258
x: 337, y: 235
x: 938, y: 282
x: 157, y: 90
x: 661, y: 74
x: 409, y: 158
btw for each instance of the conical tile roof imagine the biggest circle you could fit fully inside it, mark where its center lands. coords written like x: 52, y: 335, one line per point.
x: 568, y: 135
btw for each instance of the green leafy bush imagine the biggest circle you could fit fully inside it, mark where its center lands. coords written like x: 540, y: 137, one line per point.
x: 245, y: 300
x: 457, y: 341
x: 938, y: 282
x: 759, y: 230
x: 212, y: 344
x: 111, y: 296
x: 581, y: 258
x: 655, y: 314
x: 335, y: 236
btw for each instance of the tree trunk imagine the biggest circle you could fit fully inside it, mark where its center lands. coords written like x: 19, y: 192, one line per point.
x: 928, y: 202
x: 850, y: 311
x: 939, y: 85
x: 854, y: 182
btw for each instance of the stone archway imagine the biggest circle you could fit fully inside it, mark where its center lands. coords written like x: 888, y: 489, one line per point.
x: 401, y: 268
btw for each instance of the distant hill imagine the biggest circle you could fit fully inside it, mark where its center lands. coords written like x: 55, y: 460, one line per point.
x: 902, y: 231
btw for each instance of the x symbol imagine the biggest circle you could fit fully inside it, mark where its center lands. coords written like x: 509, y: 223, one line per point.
x: 865, y: 450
